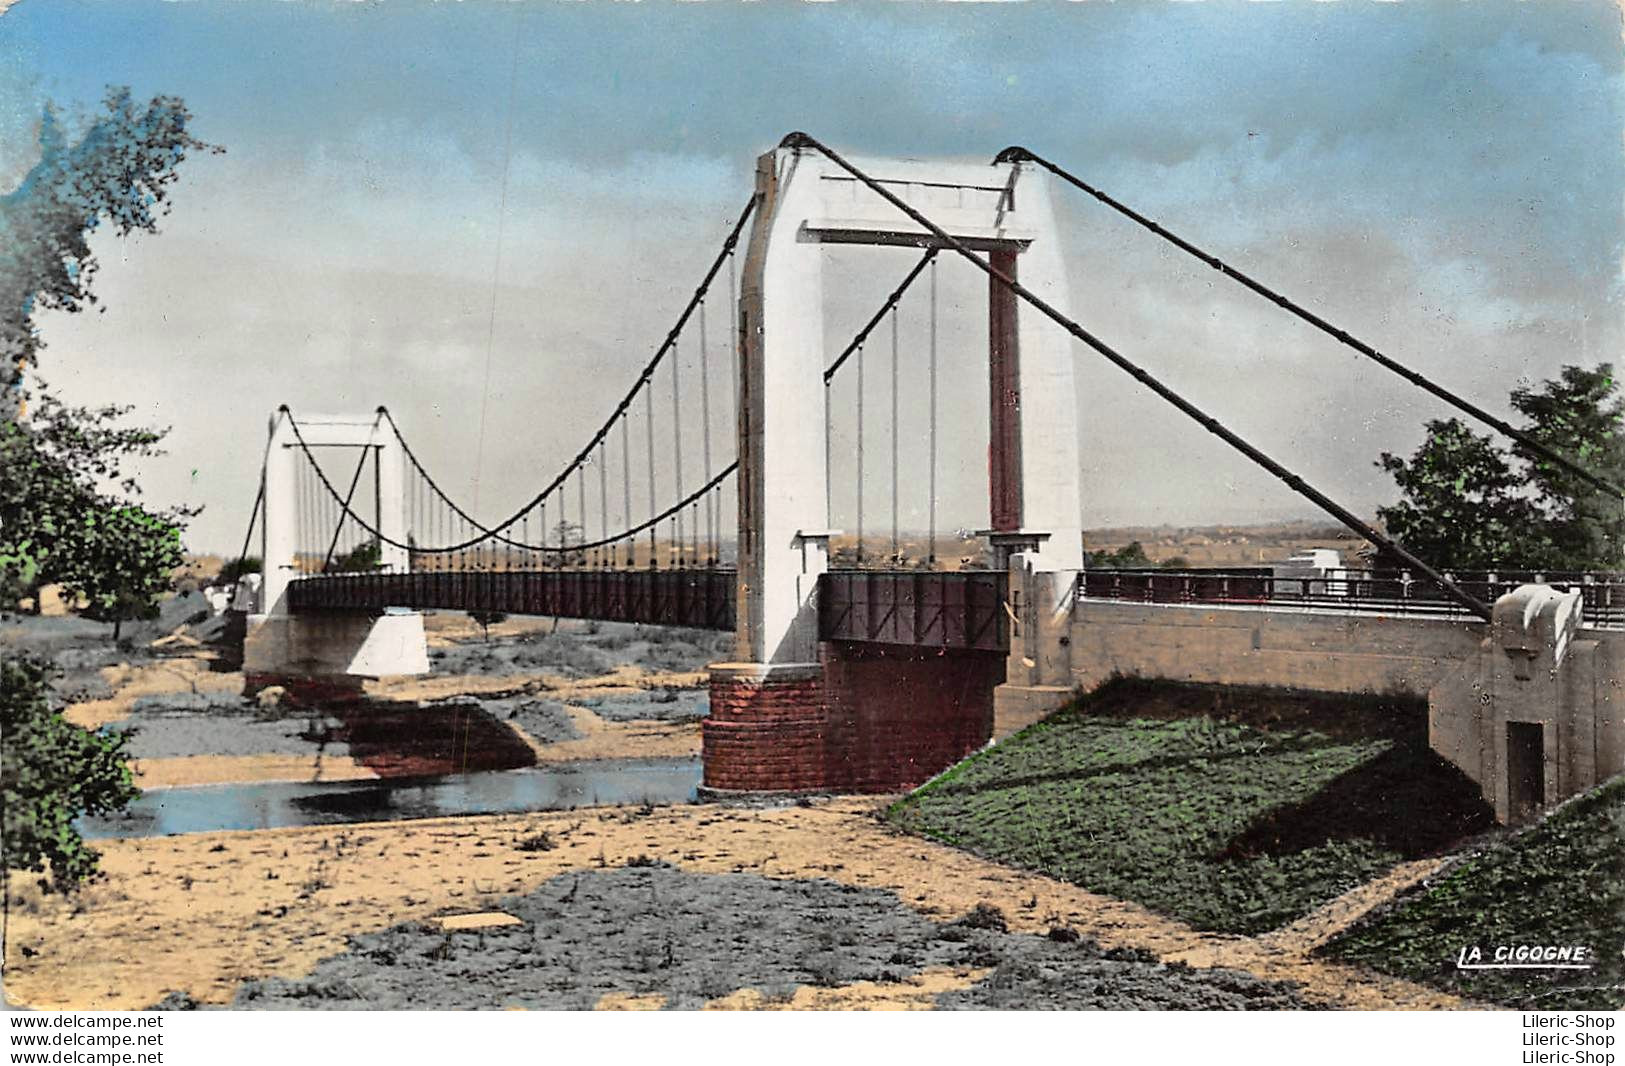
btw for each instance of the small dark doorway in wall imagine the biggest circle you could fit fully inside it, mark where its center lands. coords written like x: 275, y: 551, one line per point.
x: 1526, y: 770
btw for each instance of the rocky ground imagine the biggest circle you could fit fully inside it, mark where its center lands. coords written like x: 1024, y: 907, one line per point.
x: 202, y: 915
x: 651, y: 933
x: 528, y: 691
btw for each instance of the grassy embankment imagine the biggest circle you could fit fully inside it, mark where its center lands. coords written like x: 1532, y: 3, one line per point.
x: 1560, y: 882
x: 1234, y: 810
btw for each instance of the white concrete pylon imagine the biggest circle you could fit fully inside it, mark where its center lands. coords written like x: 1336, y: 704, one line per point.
x: 806, y: 201
x: 283, y: 458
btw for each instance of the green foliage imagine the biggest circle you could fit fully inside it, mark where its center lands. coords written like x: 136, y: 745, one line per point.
x: 51, y: 772
x: 1236, y: 820
x: 1580, y: 415
x: 118, y: 171
x: 363, y: 557
x: 1560, y: 882
x: 238, y: 568
x: 58, y: 522
x: 122, y: 560
x: 1463, y: 505
x: 1468, y: 504
x: 1130, y: 557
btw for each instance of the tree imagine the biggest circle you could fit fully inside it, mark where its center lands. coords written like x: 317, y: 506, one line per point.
x: 363, y: 557
x: 1581, y: 415
x: 1463, y: 504
x: 1129, y: 557
x: 57, y: 519
x: 51, y: 773
x: 122, y: 559
x: 1469, y: 504
x: 59, y: 525
x: 236, y: 569
x: 486, y: 619
x: 118, y: 171
x: 568, y: 535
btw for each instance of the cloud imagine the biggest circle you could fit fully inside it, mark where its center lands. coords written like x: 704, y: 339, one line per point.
x: 1443, y: 181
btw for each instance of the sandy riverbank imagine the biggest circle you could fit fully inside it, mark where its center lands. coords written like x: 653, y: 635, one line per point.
x: 202, y: 913
x: 199, y: 916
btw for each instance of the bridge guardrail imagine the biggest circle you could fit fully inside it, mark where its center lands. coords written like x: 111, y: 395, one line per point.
x: 923, y: 608
x: 945, y: 609
x: 702, y: 599
x: 1377, y: 591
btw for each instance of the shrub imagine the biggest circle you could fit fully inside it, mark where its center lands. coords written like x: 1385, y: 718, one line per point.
x: 237, y: 568
x: 985, y: 916
x: 51, y: 772
x: 542, y: 841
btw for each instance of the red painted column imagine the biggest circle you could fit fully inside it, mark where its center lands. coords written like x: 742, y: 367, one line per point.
x: 868, y: 718
x: 1004, y: 393
x: 898, y: 716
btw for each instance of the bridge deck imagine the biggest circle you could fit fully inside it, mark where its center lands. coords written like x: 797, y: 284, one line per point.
x: 921, y: 608
x: 701, y: 599
x: 1347, y: 591
x: 924, y: 608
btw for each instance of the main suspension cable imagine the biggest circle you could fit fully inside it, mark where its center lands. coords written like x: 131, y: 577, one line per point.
x: 1017, y: 154
x: 333, y: 495
x: 645, y: 376
x: 1208, y: 422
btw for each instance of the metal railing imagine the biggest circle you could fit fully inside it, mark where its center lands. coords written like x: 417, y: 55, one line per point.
x: 698, y: 598
x: 1371, y: 591
x: 920, y: 608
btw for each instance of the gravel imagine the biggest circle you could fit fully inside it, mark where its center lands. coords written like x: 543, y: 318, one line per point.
x: 545, y: 721
x: 184, y: 724
x: 661, y: 705
x: 585, y: 650
x: 80, y: 648
x: 652, y: 930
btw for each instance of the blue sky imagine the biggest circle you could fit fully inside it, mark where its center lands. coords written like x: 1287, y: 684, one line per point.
x: 1442, y: 179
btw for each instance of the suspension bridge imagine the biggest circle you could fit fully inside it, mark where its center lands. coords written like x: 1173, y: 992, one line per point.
x: 870, y: 658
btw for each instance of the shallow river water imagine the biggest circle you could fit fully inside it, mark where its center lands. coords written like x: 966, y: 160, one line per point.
x: 273, y: 805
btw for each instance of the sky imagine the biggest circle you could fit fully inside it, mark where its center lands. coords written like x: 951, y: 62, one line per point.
x: 1443, y: 180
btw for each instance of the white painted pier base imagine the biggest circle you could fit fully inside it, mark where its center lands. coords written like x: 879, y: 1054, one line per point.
x: 332, y: 650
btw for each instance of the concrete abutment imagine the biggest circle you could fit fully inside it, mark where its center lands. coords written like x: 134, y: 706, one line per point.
x: 318, y: 656
x: 1529, y: 707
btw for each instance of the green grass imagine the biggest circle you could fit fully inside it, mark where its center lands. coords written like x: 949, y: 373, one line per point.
x: 1234, y: 810
x: 1560, y: 882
